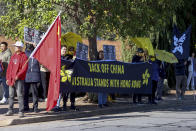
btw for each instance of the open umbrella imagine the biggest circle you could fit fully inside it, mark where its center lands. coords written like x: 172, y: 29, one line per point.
x: 145, y: 43
x: 70, y: 39
x: 165, y: 56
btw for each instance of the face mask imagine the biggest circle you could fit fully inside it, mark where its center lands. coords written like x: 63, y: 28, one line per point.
x: 29, y: 47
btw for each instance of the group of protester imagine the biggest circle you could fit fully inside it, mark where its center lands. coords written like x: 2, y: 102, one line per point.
x: 183, y: 69
x: 158, y: 76
x: 22, y: 73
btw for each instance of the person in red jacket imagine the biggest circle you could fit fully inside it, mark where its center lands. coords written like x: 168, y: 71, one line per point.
x: 15, y: 76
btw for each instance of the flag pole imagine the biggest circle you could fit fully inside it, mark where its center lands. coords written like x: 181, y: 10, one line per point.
x: 34, y: 51
x: 41, y: 40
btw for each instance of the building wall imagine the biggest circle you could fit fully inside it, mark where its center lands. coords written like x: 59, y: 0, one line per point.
x: 100, y: 44
x: 9, y: 41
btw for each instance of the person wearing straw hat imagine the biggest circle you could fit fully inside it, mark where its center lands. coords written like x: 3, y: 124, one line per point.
x: 15, y: 77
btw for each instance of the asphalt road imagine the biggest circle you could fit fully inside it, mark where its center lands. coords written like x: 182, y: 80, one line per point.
x: 156, y: 120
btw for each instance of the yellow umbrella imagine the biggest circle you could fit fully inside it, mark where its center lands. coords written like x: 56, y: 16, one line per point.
x: 144, y: 43
x: 70, y: 39
x: 165, y: 56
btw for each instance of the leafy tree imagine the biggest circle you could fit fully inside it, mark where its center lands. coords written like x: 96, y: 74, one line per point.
x: 90, y: 18
x: 186, y: 16
x: 103, y: 18
x: 31, y: 13
x: 183, y: 17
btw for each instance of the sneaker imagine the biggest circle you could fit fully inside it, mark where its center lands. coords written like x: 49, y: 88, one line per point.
x: 159, y: 99
x: 21, y: 114
x: 26, y: 109
x: 193, y: 89
x: 46, y: 100
x: 140, y: 103
x: 72, y: 107
x: 179, y: 98
x: 4, y: 101
x: 9, y: 113
x: 36, y: 110
x: 64, y: 108
x: 134, y: 102
x: 187, y: 89
x: 56, y: 109
x: 182, y: 97
x: 154, y: 102
x: 41, y: 100
x: 100, y: 106
x: 106, y: 105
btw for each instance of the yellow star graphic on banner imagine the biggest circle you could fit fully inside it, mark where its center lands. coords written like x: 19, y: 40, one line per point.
x: 145, y: 77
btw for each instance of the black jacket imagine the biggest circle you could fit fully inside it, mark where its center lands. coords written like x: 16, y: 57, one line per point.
x: 180, y: 68
x: 136, y: 59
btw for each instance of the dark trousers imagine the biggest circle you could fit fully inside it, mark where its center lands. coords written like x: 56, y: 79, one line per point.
x: 34, y: 88
x: 181, y: 80
x: 19, y: 86
x: 113, y: 96
x: 137, y: 98
x: 151, y: 98
x: 72, y: 98
x: 45, y: 76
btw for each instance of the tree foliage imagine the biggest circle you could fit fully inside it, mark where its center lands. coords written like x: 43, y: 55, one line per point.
x: 104, y: 18
x: 186, y: 16
x: 89, y: 18
x: 36, y: 14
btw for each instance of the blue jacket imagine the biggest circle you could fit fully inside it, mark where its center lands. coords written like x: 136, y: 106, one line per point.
x: 155, y: 70
x: 33, y: 72
x: 162, y: 72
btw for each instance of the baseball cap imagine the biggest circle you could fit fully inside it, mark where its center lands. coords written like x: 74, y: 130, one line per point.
x: 19, y: 44
x: 140, y: 50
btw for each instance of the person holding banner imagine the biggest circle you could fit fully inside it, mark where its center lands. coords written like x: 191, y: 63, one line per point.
x: 102, y: 97
x: 15, y: 77
x: 155, y: 77
x: 190, y: 72
x: 69, y: 56
x: 139, y: 57
x: 62, y: 93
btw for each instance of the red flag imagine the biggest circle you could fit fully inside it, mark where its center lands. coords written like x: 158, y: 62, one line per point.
x: 48, y: 53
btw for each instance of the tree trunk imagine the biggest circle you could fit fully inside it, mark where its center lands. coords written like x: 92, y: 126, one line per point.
x: 93, y: 56
x: 92, y: 47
